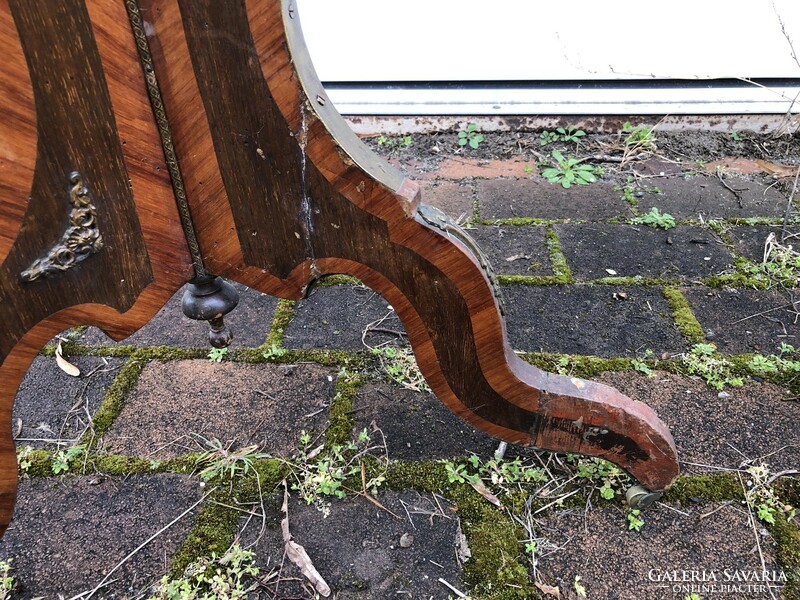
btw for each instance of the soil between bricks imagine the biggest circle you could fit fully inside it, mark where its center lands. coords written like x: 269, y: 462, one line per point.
x: 240, y: 404
x: 740, y: 321
x: 682, y: 252
x: 54, y: 406
x: 615, y: 563
x: 589, y: 320
x: 69, y: 532
x: 417, y: 425
x: 757, y: 422
x: 357, y: 548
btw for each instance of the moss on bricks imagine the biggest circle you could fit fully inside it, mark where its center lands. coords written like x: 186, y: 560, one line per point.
x: 495, y: 571
x: 265, y: 476
x: 578, y: 366
x: 683, y: 316
x: 787, y: 536
x: 559, y: 261
x: 331, y: 280
x: 521, y: 221
x: 212, y: 532
x: 284, y: 312
x: 114, y: 400
x: 340, y: 416
x: 41, y: 464
x: 629, y: 281
x: 121, y: 465
x: 705, y: 488
x: 530, y: 279
x: 422, y: 476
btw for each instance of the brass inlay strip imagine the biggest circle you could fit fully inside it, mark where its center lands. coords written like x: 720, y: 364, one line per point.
x: 154, y: 92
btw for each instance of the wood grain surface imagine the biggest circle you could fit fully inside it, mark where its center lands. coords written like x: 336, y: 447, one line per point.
x: 92, y: 115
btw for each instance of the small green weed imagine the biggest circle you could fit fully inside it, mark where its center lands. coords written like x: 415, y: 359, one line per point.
x: 641, y: 366
x: 231, y: 576
x: 568, y: 134
x: 607, y: 477
x: 656, y: 219
x: 273, y: 352
x: 736, y: 137
x: 220, y: 461
x: 217, y: 354
x: 401, y: 366
x: 6, y: 579
x: 634, y: 522
x: 692, y: 596
x: 569, y: 171
x: 637, y: 140
x: 395, y: 143
x: 23, y: 459
x: 631, y: 191
x: 785, y: 362
x: 470, y: 136
x: 495, y: 471
x: 762, y: 499
x: 781, y: 263
x: 317, y: 479
x: 63, y: 459
x: 703, y: 360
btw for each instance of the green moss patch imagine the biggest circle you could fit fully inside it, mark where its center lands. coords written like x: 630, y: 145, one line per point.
x: 284, y: 312
x: 683, y: 316
x: 705, y: 488
x: 114, y: 401
x: 787, y: 536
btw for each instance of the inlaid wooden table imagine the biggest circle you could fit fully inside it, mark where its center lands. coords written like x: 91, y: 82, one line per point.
x: 145, y: 144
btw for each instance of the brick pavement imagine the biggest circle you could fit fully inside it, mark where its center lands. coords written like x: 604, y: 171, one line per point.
x: 586, y: 292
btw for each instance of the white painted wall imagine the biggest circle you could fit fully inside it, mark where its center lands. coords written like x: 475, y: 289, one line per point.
x: 530, y: 40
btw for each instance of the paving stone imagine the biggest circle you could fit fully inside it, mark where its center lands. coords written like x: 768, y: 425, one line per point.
x: 240, y: 404
x: 754, y: 421
x: 614, y: 562
x: 54, y: 406
x: 688, y: 197
x: 335, y: 318
x: 681, y: 252
x: 416, y: 425
x: 357, y: 548
x: 748, y: 240
x: 526, y: 245
x: 589, y: 320
x: 770, y: 319
x: 69, y: 532
x: 462, y: 168
x: 452, y: 198
x: 536, y: 198
x: 249, y: 322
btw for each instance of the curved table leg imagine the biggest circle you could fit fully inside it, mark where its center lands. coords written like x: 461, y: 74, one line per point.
x: 296, y: 195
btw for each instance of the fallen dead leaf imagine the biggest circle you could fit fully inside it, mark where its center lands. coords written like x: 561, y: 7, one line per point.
x: 549, y: 589
x: 776, y: 169
x: 64, y: 364
x: 297, y: 554
x: 481, y: 488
